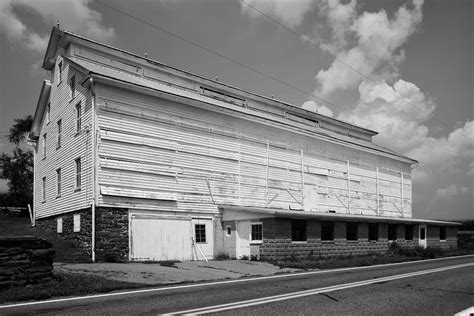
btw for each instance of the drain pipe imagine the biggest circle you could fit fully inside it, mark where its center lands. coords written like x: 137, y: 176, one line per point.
x: 93, y: 168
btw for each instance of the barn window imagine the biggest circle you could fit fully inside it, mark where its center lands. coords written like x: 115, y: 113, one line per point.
x: 60, y: 72
x: 257, y: 232
x: 78, y: 173
x: 327, y: 230
x: 59, y: 225
x: 298, y: 230
x: 373, y: 231
x: 200, y: 232
x: 60, y: 127
x: 58, y: 182
x: 44, y: 146
x: 78, y: 117
x: 77, y: 222
x: 408, y: 232
x: 351, y: 231
x: 44, y: 189
x: 228, y: 230
x: 72, y: 86
x: 392, y: 232
x: 442, y: 233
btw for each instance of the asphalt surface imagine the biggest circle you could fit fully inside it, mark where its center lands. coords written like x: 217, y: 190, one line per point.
x: 437, y: 293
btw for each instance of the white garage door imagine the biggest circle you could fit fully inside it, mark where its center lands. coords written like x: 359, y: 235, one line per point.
x: 158, y: 238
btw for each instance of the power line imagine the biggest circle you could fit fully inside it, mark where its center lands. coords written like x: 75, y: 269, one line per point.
x: 325, y: 51
x: 257, y: 71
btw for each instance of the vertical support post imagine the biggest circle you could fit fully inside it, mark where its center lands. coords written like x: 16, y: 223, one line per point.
x: 377, y: 189
x: 240, y: 169
x: 302, y: 178
x: 401, y: 193
x: 266, y: 174
x: 348, y: 187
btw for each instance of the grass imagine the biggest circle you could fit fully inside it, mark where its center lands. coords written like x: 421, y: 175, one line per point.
x: 65, y: 284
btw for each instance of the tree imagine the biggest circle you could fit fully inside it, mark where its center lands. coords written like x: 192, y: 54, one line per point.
x: 18, y: 166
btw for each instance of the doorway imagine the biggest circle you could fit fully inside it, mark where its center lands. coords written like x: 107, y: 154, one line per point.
x: 422, y: 236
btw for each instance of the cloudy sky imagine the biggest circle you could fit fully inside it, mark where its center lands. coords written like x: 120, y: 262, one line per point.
x: 403, y: 68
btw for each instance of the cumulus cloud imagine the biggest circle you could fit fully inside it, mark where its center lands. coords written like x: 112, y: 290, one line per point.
x: 73, y: 15
x: 313, y: 106
x: 377, y: 40
x: 289, y: 12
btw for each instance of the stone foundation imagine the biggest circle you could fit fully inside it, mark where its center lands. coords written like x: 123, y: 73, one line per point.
x: 111, y: 235
x: 25, y: 260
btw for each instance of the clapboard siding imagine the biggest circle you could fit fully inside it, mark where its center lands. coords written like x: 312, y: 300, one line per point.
x: 73, y: 145
x: 207, y: 158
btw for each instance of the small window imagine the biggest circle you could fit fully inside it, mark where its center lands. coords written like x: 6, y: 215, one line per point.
x: 60, y: 127
x: 327, y: 230
x: 43, y: 192
x: 78, y: 173
x: 352, y: 231
x: 392, y: 232
x: 200, y: 233
x: 442, y: 233
x: 59, y: 225
x: 60, y: 72
x: 44, y: 145
x: 298, y: 230
x: 373, y: 232
x: 48, y: 113
x: 72, y: 84
x: 422, y: 233
x: 78, y: 117
x: 257, y: 232
x: 408, y: 232
x: 228, y: 231
x: 77, y: 222
x: 58, y: 182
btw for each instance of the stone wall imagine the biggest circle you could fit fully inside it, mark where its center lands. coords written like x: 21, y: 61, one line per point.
x: 70, y: 245
x: 111, y: 235
x: 25, y: 260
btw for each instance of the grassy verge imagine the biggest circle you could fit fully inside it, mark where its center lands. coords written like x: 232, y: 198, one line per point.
x: 65, y: 284
x: 395, y: 255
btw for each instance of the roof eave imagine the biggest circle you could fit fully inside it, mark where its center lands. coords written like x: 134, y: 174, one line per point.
x: 39, y: 112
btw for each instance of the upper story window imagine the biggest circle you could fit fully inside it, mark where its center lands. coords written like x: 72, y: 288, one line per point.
x: 72, y: 86
x: 44, y: 145
x: 43, y: 187
x: 60, y: 127
x: 78, y: 117
x: 60, y: 72
x: 48, y: 113
x: 58, y: 182
x: 78, y: 173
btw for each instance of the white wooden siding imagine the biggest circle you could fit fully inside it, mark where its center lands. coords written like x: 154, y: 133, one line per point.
x: 73, y: 145
x: 205, y: 158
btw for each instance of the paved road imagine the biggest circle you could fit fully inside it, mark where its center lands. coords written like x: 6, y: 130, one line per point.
x: 449, y: 288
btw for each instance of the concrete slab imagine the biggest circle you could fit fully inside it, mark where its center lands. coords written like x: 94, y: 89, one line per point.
x: 155, y: 273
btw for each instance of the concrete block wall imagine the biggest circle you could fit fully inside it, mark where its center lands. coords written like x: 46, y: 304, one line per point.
x: 277, y: 243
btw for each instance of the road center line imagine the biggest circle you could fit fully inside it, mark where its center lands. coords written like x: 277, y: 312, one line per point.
x: 178, y: 287
x: 281, y: 297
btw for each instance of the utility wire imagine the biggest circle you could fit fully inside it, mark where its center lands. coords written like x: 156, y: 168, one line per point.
x: 258, y: 71
x: 325, y: 51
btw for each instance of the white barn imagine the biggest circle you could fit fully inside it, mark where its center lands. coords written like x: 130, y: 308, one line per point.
x: 137, y: 160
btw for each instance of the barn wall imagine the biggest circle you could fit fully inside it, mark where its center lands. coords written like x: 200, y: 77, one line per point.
x: 154, y: 150
x: 73, y: 145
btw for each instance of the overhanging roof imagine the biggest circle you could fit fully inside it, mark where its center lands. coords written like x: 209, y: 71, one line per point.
x: 232, y: 212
